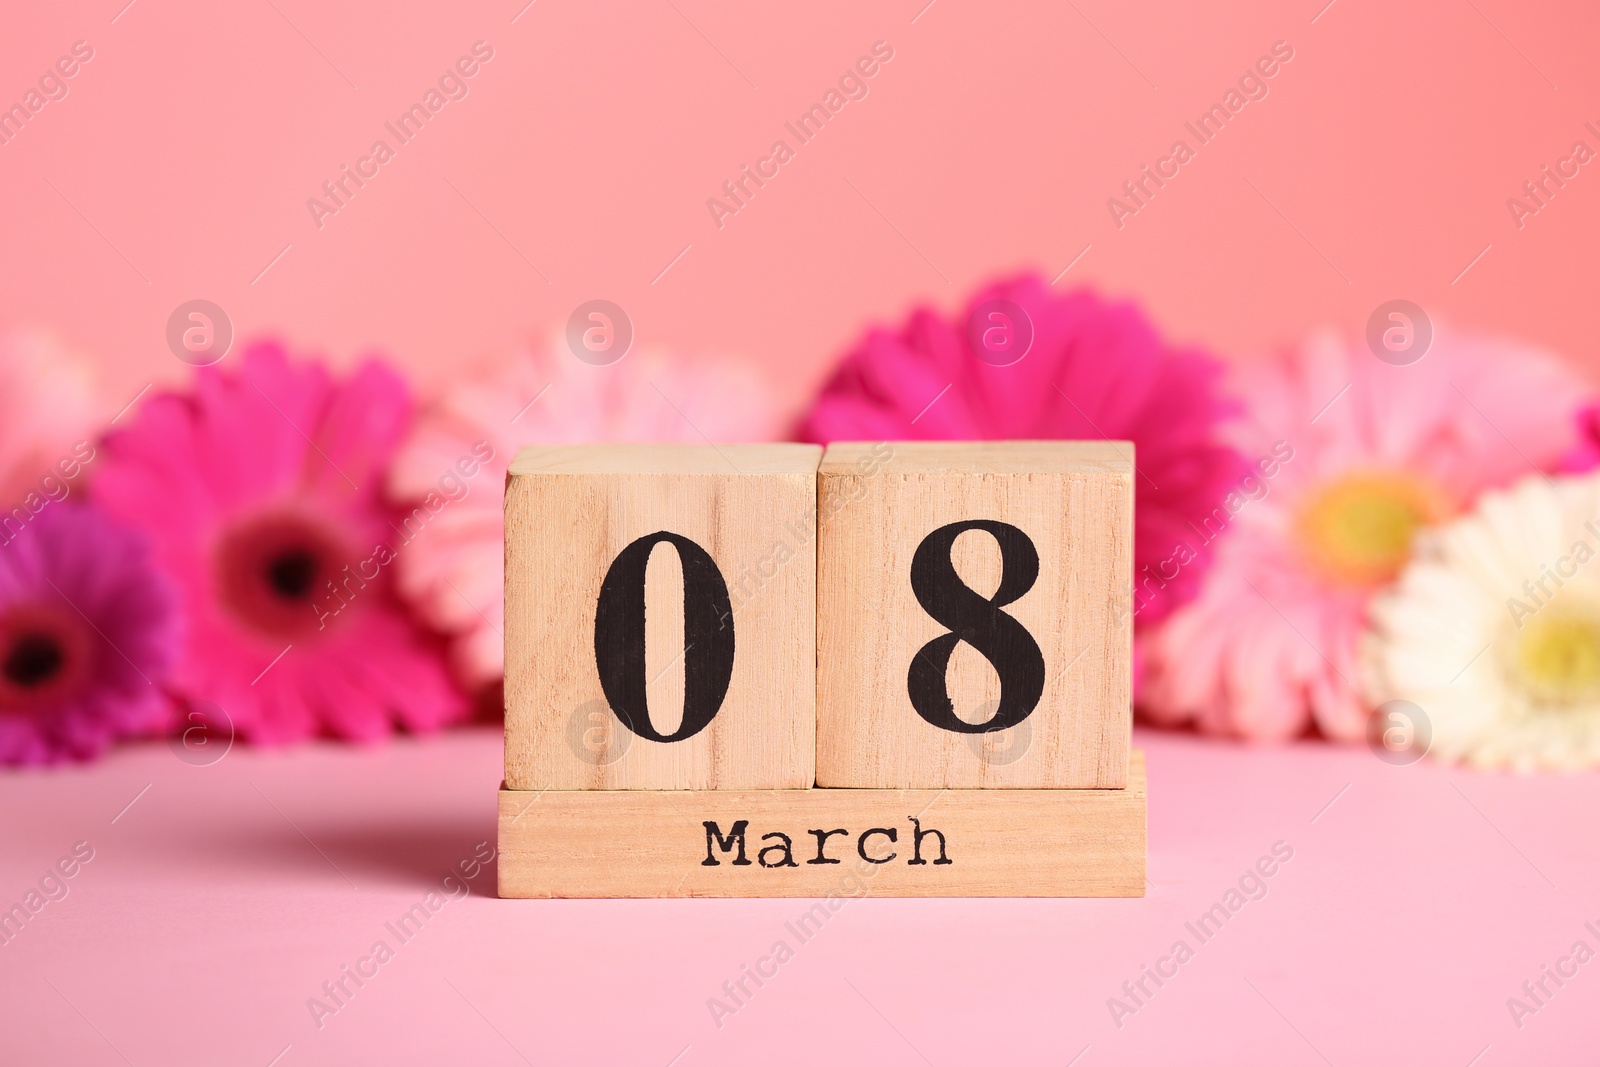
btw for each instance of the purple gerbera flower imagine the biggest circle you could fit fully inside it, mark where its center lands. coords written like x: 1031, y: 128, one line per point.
x: 88, y: 631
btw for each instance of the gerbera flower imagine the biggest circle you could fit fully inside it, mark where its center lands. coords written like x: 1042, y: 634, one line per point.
x: 261, y: 493
x: 1023, y: 363
x: 88, y: 632
x: 49, y: 410
x: 1374, y: 453
x: 451, y: 473
x: 1494, y: 630
x: 1586, y: 455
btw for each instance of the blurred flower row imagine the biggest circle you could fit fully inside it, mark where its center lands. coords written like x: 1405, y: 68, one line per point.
x: 1319, y: 535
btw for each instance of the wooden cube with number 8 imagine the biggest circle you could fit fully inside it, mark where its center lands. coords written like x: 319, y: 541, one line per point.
x: 972, y: 615
x: 661, y: 617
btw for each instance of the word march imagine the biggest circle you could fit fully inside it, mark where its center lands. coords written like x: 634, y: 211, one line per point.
x: 881, y: 850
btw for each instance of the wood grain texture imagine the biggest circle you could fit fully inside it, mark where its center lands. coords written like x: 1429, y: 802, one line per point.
x: 877, y: 503
x: 570, y: 510
x: 999, y: 843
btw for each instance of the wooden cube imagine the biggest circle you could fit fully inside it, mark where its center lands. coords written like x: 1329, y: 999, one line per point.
x: 661, y: 617
x: 971, y: 609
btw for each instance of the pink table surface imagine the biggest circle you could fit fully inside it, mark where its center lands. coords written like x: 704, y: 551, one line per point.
x: 1418, y: 900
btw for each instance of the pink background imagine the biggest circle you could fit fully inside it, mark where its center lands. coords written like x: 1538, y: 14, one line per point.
x: 594, y: 138
x: 1378, y: 167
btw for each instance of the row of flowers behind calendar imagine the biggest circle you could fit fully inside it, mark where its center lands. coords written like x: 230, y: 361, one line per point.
x: 1318, y: 534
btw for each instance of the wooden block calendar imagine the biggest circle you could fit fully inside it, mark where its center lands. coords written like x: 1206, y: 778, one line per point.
x: 762, y: 670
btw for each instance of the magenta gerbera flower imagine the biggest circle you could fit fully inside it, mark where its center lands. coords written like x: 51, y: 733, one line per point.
x: 1023, y: 363
x: 88, y: 633
x: 1585, y: 455
x: 262, y: 494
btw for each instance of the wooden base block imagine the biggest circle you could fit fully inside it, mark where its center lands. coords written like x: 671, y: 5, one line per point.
x: 876, y: 842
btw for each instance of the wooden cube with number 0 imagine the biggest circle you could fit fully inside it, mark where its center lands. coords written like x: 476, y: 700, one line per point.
x: 972, y: 615
x: 661, y: 617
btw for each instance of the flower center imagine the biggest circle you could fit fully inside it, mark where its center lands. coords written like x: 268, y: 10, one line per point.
x: 271, y: 571
x: 1357, y: 529
x: 33, y: 660
x: 291, y: 573
x: 1558, y: 655
x: 44, y: 656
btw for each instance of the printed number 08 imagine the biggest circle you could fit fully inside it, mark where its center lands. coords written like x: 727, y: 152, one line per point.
x: 619, y: 632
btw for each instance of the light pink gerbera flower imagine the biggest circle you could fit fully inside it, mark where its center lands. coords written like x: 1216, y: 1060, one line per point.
x: 451, y: 473
x: 262, y: 494
x: 1022, y: 363
x: 1355, y: 455
x: 50, y: 407
x: 88, y: 632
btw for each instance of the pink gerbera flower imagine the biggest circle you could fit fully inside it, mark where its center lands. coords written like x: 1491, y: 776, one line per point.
x: 262, y: 494
x: 88, y: 633
x: 1355, y: 455
x: 451, y: 473
x: 1023, y: 363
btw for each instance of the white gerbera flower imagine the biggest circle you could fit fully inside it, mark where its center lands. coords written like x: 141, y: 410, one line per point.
x: 1493, y: 630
